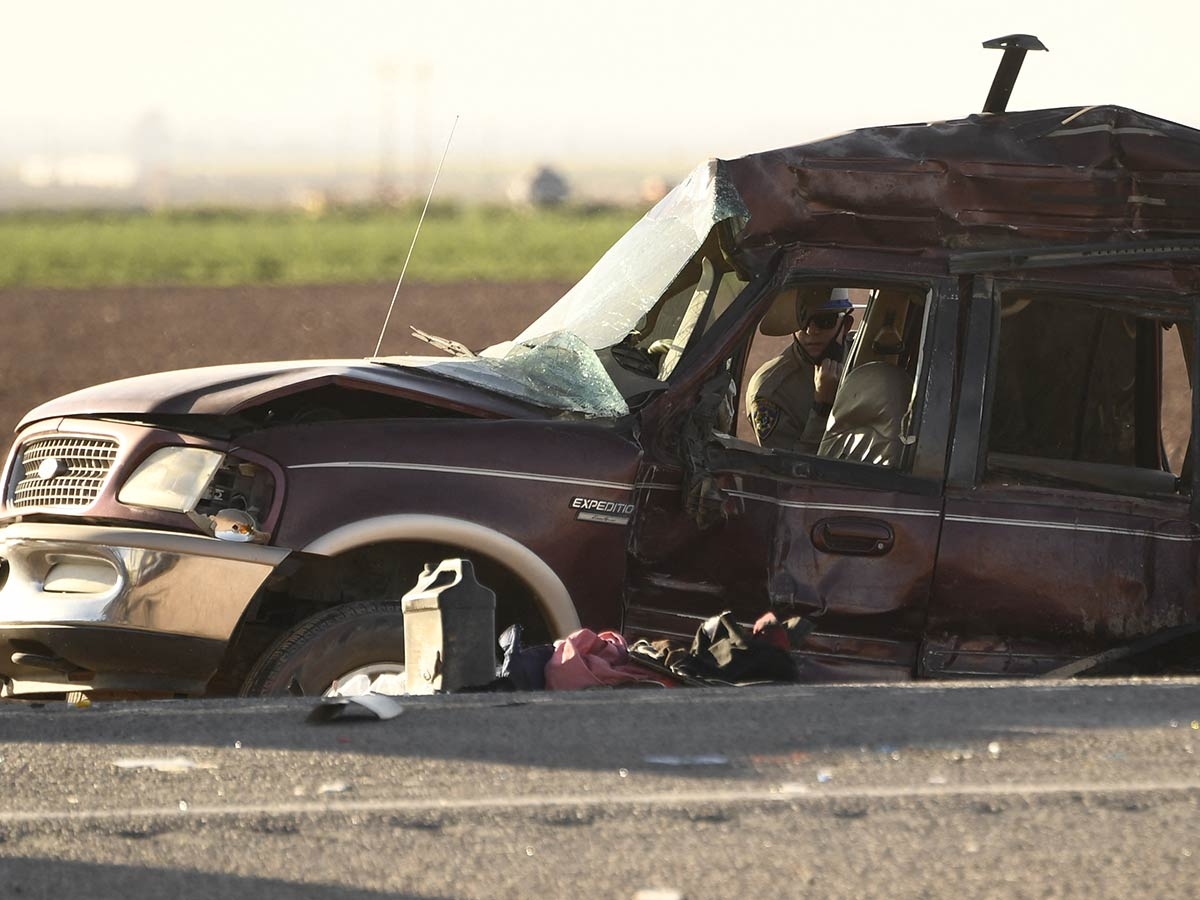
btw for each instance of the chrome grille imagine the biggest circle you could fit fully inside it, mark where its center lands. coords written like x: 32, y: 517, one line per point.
x: 83, y: 461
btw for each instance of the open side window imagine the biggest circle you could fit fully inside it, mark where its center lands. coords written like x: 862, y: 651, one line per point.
x: 1090, y: 394
x: 879, y: 344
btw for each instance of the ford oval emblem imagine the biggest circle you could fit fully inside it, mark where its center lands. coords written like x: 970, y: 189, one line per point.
x: 52, y: 467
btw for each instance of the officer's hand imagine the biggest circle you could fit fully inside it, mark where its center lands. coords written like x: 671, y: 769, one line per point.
x: 826, y: 377
x: 765, y: 621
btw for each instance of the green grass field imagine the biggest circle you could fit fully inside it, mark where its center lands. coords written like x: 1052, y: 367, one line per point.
x: 230, y: 247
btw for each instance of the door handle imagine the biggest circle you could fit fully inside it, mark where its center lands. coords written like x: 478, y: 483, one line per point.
x: 853, y: 537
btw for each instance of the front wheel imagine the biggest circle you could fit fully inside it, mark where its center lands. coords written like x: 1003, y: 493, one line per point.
x: 346, y: 649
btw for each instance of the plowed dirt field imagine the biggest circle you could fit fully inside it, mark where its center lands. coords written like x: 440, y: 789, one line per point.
x: 57, y: 341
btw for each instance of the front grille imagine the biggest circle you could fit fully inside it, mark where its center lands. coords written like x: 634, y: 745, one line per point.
x: 83, y: 462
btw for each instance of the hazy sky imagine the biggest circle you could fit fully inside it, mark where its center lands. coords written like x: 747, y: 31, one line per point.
x: 549, y: 81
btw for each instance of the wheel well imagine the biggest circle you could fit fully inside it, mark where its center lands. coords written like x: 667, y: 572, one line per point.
x: 385, y: 570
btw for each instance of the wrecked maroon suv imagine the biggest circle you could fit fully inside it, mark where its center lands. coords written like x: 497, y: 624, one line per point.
x: 1004, y: 485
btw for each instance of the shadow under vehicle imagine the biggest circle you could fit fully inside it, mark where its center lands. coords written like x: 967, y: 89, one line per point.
x: 993, y: 496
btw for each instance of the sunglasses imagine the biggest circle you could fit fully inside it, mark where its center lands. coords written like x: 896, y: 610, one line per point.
x: 823, y: 321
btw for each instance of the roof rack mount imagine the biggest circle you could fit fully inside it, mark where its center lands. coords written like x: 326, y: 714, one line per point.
x: 1015, y: 46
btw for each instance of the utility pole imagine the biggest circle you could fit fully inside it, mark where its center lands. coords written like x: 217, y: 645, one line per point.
x: 387, y: 178
x: 388, y: 74
x: 422, y: 151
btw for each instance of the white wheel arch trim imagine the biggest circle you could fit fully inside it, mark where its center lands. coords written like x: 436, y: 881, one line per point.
x: 549, y: 591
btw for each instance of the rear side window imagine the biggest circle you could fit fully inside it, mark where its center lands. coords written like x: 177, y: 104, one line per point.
x: 1080, y: 397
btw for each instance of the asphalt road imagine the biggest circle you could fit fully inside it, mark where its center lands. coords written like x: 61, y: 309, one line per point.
x: 966, y: 790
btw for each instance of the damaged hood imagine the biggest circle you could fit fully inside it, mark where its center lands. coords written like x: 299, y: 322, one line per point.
x: 226, y: 390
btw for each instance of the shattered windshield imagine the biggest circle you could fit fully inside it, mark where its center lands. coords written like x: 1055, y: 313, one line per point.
x: 554, y: 362
x: 559, y: 371
x: 631, y: 277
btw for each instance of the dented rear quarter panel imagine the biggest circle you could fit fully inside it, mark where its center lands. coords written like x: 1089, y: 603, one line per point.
x: 1086, y: 570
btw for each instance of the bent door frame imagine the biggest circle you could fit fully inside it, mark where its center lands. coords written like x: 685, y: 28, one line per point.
x: 764, y: 502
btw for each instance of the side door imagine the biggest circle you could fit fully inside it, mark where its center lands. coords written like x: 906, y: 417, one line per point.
x: 843, y: 536
x: 1069, y: 524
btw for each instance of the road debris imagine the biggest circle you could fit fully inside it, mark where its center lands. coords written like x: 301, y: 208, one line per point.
x: 658, y: 894
x: 163, y: 764
x: 703, y: 759
x: 359, y: 706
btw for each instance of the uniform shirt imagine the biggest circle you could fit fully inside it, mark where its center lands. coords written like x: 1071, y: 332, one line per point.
x: 779, y: 404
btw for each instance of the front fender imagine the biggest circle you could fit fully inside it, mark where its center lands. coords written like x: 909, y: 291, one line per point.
x: 548, y: 589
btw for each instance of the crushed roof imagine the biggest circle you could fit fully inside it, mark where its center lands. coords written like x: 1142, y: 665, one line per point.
x: 1071, y: 175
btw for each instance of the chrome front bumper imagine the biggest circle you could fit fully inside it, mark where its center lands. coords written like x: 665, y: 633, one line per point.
x: 95, y: 607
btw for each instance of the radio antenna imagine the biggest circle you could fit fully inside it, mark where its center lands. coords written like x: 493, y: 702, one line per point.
x: 404, y: 269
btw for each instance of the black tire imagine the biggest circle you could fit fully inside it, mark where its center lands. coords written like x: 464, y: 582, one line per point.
x: 327, y: 646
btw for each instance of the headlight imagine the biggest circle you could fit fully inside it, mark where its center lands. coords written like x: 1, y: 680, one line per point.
x: 173, y: 478
x: 241, y: 485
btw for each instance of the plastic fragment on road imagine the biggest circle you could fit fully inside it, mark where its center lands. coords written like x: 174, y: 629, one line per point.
x: 162, y: 764
x: 703, y: 759
x: 335, y: 787
x: 824, y: 776
x: 361, y: 706
x: 793, y: 787
x: 391, y: 683
x: 657, y: 894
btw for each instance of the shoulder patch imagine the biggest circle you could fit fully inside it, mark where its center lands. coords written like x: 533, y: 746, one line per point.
x: 764, y: 418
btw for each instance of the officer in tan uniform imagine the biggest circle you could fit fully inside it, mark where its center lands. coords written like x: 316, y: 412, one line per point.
x: 789, y: 398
